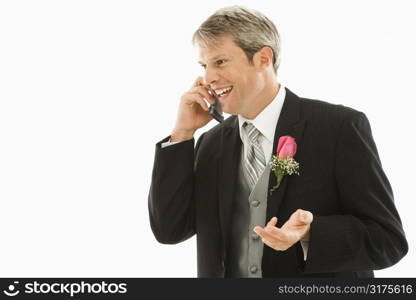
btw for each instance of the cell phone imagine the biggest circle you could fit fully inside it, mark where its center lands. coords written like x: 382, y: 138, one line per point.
x: 215, y: 109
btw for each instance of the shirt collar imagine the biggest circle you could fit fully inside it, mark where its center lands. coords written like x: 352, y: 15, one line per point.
x: 266, y: 120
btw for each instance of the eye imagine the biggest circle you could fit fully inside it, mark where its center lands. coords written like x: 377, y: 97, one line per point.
x: 220, y: 62
x: 203, y: 66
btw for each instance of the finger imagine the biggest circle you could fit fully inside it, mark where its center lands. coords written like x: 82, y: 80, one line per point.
x: 198, y: 81
x: 272, y: 222
x: 278, y: 234
x: 275, y: 240
x: 202, y: 103
x: 261, y: 232
x: 197, y: 99
x: 309, y: 217
x: 202, y: 90
x: 267, y: 233
x: 296, y: 219
x: 304, y: 217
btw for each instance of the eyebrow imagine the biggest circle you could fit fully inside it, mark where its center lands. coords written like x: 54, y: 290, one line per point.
x: 213, y: 59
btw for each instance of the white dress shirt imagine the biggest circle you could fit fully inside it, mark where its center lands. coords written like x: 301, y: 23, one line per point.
x: 265, y: 122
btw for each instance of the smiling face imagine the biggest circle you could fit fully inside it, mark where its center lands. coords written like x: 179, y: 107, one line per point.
x: 238, y: 82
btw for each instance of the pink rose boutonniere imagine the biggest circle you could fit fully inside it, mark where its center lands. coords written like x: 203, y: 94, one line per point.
x: 283, y: 163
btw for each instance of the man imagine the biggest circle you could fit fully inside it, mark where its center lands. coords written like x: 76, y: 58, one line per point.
x: 336, y: 218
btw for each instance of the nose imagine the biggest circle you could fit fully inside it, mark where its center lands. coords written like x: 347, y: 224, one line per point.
x: 211, y: 75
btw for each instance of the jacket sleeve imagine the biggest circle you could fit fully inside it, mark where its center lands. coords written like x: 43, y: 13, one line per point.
x: 367, y: 234
x: 171, y: 204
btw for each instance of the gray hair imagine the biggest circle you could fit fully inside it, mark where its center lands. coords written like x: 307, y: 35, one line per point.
x: 249, y: 29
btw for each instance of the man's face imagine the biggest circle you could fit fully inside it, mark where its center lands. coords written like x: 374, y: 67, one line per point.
x: 231, y: 75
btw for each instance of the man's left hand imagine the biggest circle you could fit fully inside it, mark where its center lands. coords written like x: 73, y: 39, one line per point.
x: 295, y: 229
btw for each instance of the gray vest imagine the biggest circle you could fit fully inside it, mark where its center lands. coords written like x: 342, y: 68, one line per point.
x: 249, y: 210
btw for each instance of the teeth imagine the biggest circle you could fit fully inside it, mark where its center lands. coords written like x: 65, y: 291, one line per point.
x: 223, y: 91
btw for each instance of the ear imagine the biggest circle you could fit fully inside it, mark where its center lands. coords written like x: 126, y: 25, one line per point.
x: 263, y: 58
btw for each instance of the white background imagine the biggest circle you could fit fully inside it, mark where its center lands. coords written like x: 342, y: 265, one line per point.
x: 88, y: 87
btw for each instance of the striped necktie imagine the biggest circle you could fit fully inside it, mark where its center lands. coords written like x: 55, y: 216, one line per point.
x: 254, y: 160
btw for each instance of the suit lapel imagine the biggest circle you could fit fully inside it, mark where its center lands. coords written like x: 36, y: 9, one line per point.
x: 230, y: 156
x: 289, y: 124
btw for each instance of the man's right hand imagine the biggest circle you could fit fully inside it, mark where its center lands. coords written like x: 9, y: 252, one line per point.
x: 193, y: 112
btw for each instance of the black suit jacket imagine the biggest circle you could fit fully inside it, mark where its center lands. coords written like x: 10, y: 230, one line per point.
x: 356, y: 228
